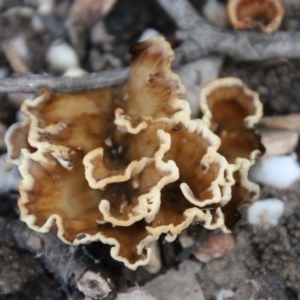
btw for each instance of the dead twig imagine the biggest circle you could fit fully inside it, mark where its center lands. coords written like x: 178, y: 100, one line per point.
x: 34, y: 83
x: 287, y: 122
x: 201, y: 38
x: 14, y: 59
x: 278, y: 142
x: 66, y: 262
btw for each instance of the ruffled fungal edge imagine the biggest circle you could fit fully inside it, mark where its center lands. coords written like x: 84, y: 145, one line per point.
x: 228, y: 82
x: 250, y: 21
x: 151, y: 76
x: 241, y: 165
x: 210, y: 218
x: 222, y: 184
x: 84, y: 238
x: 148, y: 203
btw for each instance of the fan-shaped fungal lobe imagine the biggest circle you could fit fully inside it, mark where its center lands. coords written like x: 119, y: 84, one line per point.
x: 265, y: 14
x: 125, y: 165
x: 231, y: 110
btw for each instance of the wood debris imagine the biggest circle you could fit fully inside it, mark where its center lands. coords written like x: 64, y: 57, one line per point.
x: 279, y: 142
x: 289, y: 122
x: 280, y: 134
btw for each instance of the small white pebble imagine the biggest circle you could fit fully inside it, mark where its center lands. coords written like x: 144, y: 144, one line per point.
x: 265, y: 213
x: 186, y: 240
x: 45, y: 7
x: 148, y: 33
x: 224, y: 294
x: 99, y: 34
x: 19, y: 44
x: 61, y: 57
x: 75, y: 72
x: 277, y: 171
x: 37, y: 24
x: 9, y: 175
x: 3, y: 72
x: 215, y: 12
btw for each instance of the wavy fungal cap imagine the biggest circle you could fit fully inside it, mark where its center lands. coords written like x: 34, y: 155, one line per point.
x: 264, y: 14
x: 231, y: 110
x: 125, y: 165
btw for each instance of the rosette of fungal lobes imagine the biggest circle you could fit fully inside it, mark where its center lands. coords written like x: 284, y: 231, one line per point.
x: 128, y: 165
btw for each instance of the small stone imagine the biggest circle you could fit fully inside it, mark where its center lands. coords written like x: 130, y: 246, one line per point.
x: 224, y: 294
x: 62, y: 57
x: 19, y: 44
x: 34, y: 242
x: 37, y: 24
x: 9, y: 175
x: 3, y: 72
x: 277, y: 171
x: 45, y: 7
x: 216, y: 246
x: 278, y: 142
x: 74, y: 72
x: 96, y: 60
x: 265, y: 213
x: 100, y: 36
x: 185, y: 240
x: 215, y: 12
x: 148, y: 33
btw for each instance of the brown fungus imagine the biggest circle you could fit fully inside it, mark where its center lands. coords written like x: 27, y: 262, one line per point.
x: 230, y: 110
x: 125, y: 165
x: 265, y: 14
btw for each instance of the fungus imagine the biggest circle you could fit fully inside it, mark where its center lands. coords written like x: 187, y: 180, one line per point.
x: 265, y: 14
x: 127, y: 165
x: 230, y: 110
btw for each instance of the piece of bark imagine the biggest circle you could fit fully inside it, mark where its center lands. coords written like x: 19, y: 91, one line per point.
x: 288, y: 122
x: 15, y: 61
x: 279, y: 142
x: 35, y: 83
x: 68, y: 263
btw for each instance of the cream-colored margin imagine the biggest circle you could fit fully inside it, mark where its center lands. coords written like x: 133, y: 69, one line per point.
x: 249, y: 121
x: 248, y: 22
x: 221, y: 186
x: 148, y: 203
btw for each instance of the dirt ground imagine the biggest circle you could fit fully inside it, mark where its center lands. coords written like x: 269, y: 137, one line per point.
x: 262, y: 264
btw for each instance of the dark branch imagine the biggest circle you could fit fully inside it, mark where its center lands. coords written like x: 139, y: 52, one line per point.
x: 34, y: 83
x: 201, y: 38
x: 66, y: 262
